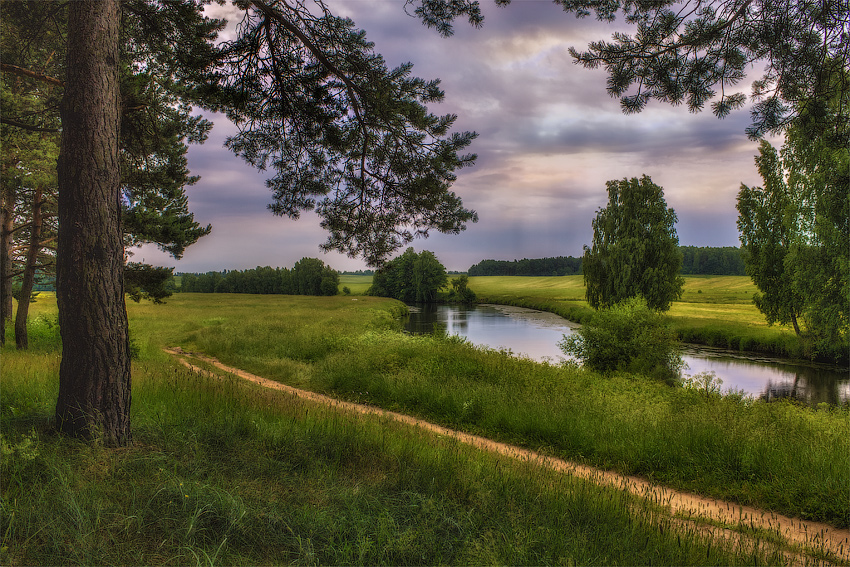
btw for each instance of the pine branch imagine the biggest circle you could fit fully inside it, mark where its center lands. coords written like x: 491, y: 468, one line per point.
x: 15, y: 70
x: 30, y: 127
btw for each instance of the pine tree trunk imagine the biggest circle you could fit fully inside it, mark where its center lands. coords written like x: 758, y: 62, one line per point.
x: 7, y: 217
x: 94, y: 375
x: 21, y: 316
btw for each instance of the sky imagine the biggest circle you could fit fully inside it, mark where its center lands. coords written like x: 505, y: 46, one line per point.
x: 549, y: 137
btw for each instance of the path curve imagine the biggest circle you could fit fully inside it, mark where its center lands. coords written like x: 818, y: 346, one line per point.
x: 801, y: 533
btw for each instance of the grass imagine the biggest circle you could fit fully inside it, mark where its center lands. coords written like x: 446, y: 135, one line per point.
x: 714, y: 310
x: 222, y: 472
x: 777, y: 456
x: 356, y: 284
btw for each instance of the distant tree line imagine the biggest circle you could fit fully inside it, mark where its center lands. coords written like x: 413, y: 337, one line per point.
x: 309, y: 276
x: 697, y: 260
x: 560, y: 266
x: 710, y: 261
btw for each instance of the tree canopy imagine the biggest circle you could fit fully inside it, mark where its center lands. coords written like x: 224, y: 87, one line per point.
x: 411, y: 277
x: 635, y: 248
x: 766, y: 235
x: 796, y: 232
x: 685, y: 52
x: 560, y: 266
x: 309, y: 276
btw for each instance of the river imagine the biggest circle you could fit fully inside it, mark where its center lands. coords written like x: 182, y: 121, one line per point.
x: 536, y: 334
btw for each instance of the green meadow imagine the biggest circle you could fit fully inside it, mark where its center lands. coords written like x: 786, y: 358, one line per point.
x: 224, y: 472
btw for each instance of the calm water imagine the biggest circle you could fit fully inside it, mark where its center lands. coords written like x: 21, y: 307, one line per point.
x: 536, y: 334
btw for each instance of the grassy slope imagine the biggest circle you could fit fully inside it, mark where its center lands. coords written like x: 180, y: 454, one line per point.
x: 222, y: 472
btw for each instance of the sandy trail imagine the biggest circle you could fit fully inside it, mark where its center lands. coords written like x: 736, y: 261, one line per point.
x: 803, y: 537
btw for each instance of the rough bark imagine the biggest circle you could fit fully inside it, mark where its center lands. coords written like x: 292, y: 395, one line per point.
x: 28, y: 281
x: 94, y: 375
x: 6, y: 223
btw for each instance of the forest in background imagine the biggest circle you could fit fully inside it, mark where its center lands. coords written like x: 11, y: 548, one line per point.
x: 696, y: 260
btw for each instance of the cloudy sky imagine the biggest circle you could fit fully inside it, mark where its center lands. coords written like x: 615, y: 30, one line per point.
x: 549, y: 139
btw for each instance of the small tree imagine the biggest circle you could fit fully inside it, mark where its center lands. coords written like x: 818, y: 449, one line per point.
x: 143, y: 281
x: 460, y: 290
x: 310, y: 276
x: 635, y: 248
x: 628, y: 337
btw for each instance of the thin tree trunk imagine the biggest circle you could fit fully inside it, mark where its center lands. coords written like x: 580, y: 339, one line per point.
x: 794, y: 322
x: 7, y: 217
x: 94, y: 375
x: 21, y: 338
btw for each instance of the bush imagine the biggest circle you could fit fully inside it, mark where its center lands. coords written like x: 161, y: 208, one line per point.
x: 628, y: 337
x: 460, y: 292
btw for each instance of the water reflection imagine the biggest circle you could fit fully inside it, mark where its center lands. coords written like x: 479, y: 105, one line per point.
x: 535, y: 334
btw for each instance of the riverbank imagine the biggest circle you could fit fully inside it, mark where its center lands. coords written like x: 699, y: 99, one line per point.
x: 221, y: 472
x: 715, y: 311
x: 351, y: 347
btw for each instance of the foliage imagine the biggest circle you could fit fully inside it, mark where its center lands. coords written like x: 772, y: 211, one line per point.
x: 309, y: 276
x: 627, y: 337
x: 560, y: 266
x: 143, y: 281
x: 709, y: 260
x: 345, y: 136
x: 796, y: 231
x: 683, y: 52
x: 696, y: 260
x: 155, y: 125
x: 635, y: 248
x: 460, y: 292
x: 766, y: 236
x: 411, y: 278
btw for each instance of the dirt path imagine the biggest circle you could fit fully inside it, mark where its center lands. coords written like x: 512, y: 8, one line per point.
x: 723, y: 518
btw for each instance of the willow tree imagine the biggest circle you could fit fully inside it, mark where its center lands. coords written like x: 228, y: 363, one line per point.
x: 635, y: 251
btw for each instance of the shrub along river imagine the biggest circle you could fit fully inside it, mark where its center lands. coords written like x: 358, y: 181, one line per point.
x: 536, y: 334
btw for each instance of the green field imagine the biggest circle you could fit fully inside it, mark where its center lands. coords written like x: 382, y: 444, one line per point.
x: 222, y: 472
x: 714, y: 310
x: 357, y: 284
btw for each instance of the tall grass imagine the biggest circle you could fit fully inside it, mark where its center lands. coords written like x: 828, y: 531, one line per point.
x: 776, y: 456
x: 221, y: 472
x: 224, y: 472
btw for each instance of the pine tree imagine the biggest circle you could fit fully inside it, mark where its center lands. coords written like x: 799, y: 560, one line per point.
x: 692, y: 52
